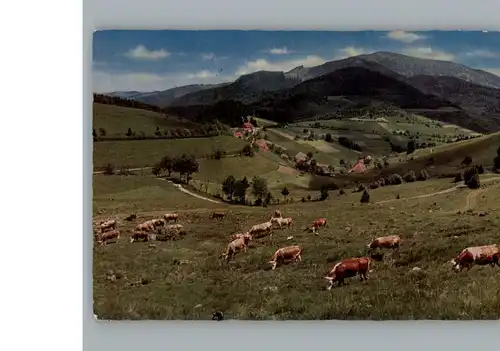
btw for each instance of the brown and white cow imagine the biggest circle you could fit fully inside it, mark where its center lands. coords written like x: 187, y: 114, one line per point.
x: 480, y: 255
x: 111, y: 224
x: 218, y: 215
x: 158, y: 222
x: 348, y: 268
x: 140, y: 235
x: 265, y: 227
x: 237, y: 245
x: 292, y: 253
x: 238, y: 235
x: 320, y: 222
x: 282, y: 221
x: 277, y: 214
x: 145, y: 227
x: 111, y: 236
x: 171, y: 217
x: 391, y: 242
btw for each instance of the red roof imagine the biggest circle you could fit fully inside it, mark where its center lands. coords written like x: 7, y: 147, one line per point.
x: 358, y: 167
x: 248, y: 125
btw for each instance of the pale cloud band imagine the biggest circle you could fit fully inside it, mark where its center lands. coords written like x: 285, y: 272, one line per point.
x: 405, y: 37
x: 279, y: 51
x: 140, y: 52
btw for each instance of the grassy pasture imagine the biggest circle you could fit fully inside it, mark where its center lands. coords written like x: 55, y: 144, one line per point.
x: 188, y: 281
x: 143, y: 153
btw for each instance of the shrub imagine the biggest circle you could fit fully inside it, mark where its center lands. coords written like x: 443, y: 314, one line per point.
x: 247, y: 151
x: 365, y: 197
x: 382, y: 182
x: 156, y: 170
x: 324, y: 193
x: 410, y: 177
x: 423, y: 175
x: 218, y: 154
x: 473, y: 182
x: 109, y: 169
x: 467, y: 161
x: 395, y: 179
x: 328, y: 138
x: 341, y: 192
x: 374, y: 185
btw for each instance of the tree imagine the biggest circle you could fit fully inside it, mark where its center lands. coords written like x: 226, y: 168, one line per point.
x: 218, y: 154
x: 129, y: 132
x: 156, y: 170
x: 309, y: 155
x: 259, y: 187
x: 94, y: 134
x: 240, y: 189
x: 328, y: 138
x: 185, y: 166
x: 247, y: 151
x: 323, y: 193
x: 467, y: 161
x: 365, y: 197
x: 158, y: 132
x: 228, y: 187
x: 410, y: 147
x: 102, y: 132
x: 285, y: 192
x: 167, y: 164
x: 268, y: 199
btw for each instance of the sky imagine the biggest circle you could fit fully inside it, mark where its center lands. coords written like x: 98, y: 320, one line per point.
x: 152, y: 60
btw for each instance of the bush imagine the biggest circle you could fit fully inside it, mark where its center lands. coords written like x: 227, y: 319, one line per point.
x: 374, y: 185
x: 109, y: 169
x: 328, y: 138
x: 423, y: 175
x: 247, y: 151
x: 410, y: 177
x: 156, y: 170
x: 218, y: 154
x: 473, y: 182
x: 324, y: 193
x: 395, y: 179
x: 365, y: 197
x: 467, y: 161
x: 458, y: 178
x: 382, y: 182
x: 341, y: 192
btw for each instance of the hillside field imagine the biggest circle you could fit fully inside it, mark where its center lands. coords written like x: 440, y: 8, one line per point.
x: 143, y: 153
x: 187, y: 280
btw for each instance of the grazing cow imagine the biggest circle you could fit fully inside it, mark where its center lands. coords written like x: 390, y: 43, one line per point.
x: 265, y: 227
x: 237, y: 245
x: 171, y: 217
x: 480, y: 255
x: 218, y: 215
x: 174, y: 227
x: 158, y: 222
x: 141, y: 235
x: 131, y: 217
x: 277, y: 214
x: 320, y: 222
x: 145, y: 227
x: 106, y: 237
x: 386, y: 242
x: 238, y: 235
x: 282, y: 221
x: 292, y: 253
x: 111, y: 224
x: 347, y: 268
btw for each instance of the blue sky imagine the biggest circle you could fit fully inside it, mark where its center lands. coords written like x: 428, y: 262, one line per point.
x: 148, y: 60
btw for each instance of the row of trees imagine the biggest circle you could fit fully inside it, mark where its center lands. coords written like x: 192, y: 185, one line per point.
x: 235, y: 190
x: 185, y: 165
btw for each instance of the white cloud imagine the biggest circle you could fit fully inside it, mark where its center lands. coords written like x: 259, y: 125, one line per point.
x: 351, y: 51
x: 145, y: 82
x: 495, y: 71
x: 204, y: 74
x: 140, y: 52
x: 279, y: 51
x: 405, y: 37
x: 284, y: 65
x: 429, y: 53
x: 482, y: 53
x: 208, y: 56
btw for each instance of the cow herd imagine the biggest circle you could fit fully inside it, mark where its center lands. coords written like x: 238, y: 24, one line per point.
x: 345, y: 268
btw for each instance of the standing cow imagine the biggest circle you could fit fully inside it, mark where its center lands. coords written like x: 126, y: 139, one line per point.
x: 237, y: 245
x: 480, y: 255
x: 171, y: 217
x: 292, y: 253
x: 218, y: 215
x: 348, y: 268
x: 265, y: 227
x: 111, y: 236
x: 108, y: 225
x: 391, y: 242
x: 282, y: 221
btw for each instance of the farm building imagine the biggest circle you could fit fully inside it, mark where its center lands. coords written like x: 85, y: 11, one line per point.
x: 300, y: 157
x: 359, y: 167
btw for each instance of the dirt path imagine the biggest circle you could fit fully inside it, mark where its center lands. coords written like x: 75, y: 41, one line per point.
x: 181, y: 188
